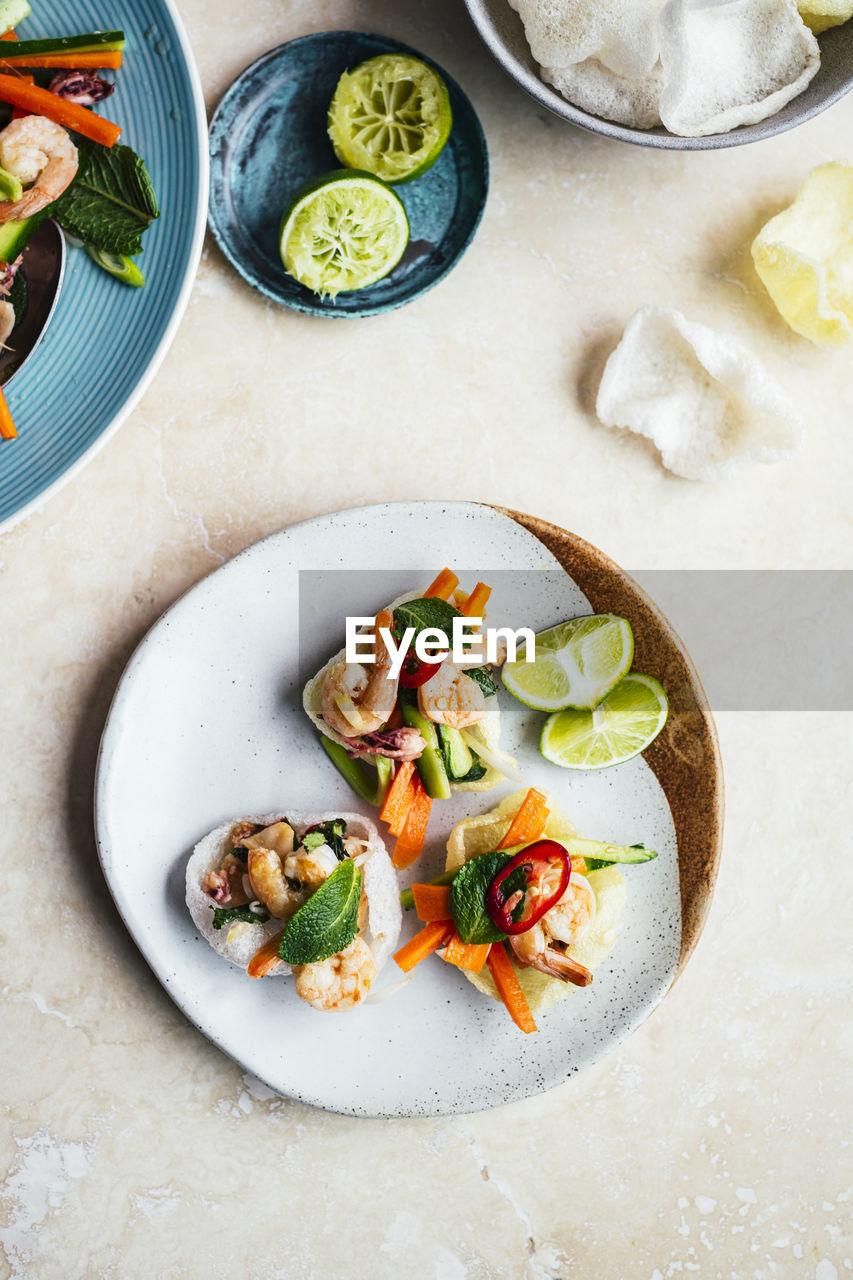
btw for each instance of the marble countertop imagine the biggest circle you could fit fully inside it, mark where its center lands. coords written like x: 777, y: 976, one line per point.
x: 716, y: 1140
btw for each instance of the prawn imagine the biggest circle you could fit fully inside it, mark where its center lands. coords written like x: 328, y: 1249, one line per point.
x: 543, y: 946
x: 341, y: 982
x: 269, y: 884
x: 451, y: 697
x: 357, y: 701
x: 42, y: 156
x: 311, y: 866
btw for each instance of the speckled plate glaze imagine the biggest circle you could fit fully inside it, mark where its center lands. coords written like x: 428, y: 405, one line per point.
x: 503, y: 33
x: 238, y: 742
x: 70, y: 399
x: 269, y: 136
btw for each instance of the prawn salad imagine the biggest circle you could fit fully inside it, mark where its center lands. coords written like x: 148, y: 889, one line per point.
x: 312, y: 897
x: 60, y: 159
x: 527, y: 908
x: 402, y: 741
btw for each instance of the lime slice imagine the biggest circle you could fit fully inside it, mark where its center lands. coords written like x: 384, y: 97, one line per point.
x: 622, y: 726
x: 577, y: 664
x: 390, y: 116
x: 343, y: 231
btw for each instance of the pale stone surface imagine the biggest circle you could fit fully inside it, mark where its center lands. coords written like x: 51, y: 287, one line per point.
x: 716, y: 1141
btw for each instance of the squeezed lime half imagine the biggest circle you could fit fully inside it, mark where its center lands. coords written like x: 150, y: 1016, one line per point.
x: 620, y: 727
x: 577, y: 663
x: 391, y: 117
x: 343, y: 231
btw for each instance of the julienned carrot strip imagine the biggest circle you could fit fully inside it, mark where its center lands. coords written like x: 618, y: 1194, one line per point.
x: 432, y: 902
x: 410, y: 842
x: 475, y: 605
x: 509, y: 988
x: 42, y: 102
x: 466, y: 955
x: 398, y: 801
x: 110, y: 58
x: 265, y: 958
x: 443, y: 586
x: 18, y: 113
x: 430, y: 938
x: 7, y: 426
x: 529, y: 823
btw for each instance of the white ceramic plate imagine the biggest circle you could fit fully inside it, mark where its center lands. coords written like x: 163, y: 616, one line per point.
x: 207, y: 725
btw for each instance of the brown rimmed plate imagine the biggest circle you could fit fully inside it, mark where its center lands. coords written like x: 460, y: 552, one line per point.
x: 224, y: 669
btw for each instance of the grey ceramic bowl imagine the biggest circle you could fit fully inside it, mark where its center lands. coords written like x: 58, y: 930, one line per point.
x: 501, y: 29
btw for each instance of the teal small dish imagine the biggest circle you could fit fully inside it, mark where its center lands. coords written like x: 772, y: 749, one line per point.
x: 268, y: 136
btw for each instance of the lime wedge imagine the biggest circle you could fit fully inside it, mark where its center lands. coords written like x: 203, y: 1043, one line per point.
x: 390, y: 116
x: 343, y: 231
x: 621, y: 726
x: 577, y: 664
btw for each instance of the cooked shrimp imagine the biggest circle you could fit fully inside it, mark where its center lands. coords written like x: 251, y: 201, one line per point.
x: 42, y: 155
x: 278, y: 837
x: 544, y: 945
x: 269, y: 884
x: 358, y: 699
x: 341, y: 982
x: 310, y: 866
x: 452, y: 698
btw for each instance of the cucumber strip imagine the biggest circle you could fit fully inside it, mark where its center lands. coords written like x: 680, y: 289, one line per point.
x: 429, y: 763
x: 118, y: 265
x: 94, y: 42
x: 458, y: 760
x: 15, y: 235
x: 372, y: 790
x: 407, y: 898
x: 597, y: 851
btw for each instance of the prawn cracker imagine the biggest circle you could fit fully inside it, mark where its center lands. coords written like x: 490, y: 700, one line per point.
x: 804, y: 257
x: 698, y: 394
x: 731, y: 63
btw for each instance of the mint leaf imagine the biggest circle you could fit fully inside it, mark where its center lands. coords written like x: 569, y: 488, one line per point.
x: 224, y: 915
x: 327, y: 922
x: 423, y: 614
x: 111, y: 201
x: 468, y: 898
x: 330, y: 833
x: 483, y: 677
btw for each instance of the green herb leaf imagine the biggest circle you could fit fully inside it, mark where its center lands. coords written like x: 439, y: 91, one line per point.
x: 483, y: 677
x: 468, y: 898
x: 224, y: 915
x: 327, y: 922
x: 111, y: 201
x: 424, y: 614
x: 241, y: 853
x: 331, y: 833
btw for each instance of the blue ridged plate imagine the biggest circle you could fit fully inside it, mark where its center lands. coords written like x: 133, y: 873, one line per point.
x: 268, y: 137
x: 106, y: 341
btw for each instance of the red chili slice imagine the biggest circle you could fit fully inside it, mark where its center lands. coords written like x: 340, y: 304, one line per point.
x: 537, y: 860
x: 415, y: 672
